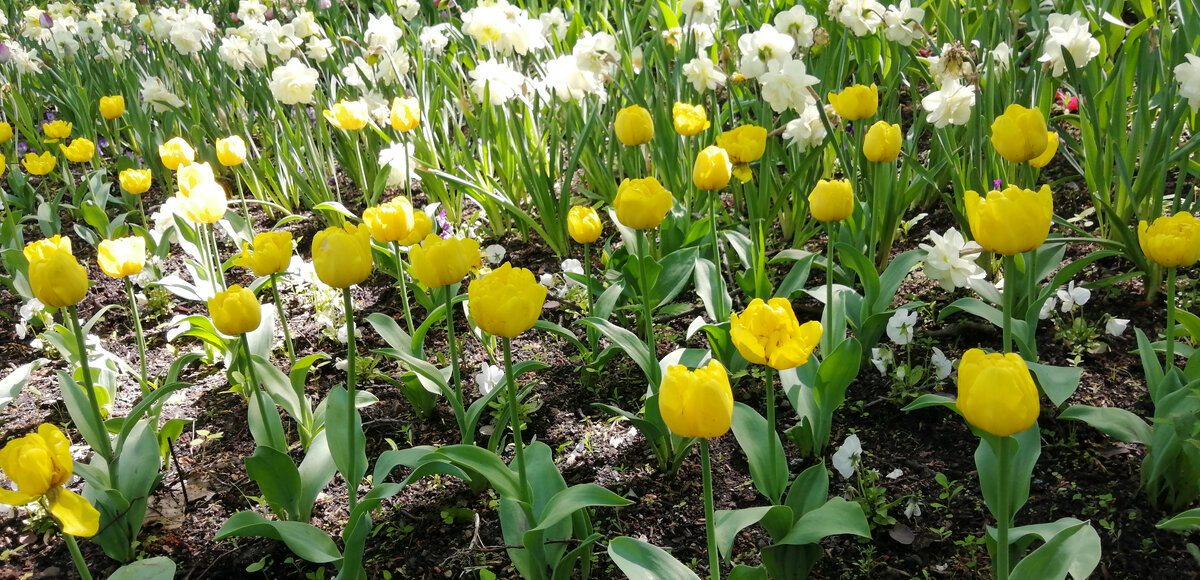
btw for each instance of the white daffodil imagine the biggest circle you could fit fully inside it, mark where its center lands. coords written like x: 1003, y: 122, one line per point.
x: 787, y: 87
x: 950, y: 261
x: 1188, y: 76
x: 950, y: 105
x: 764, y: 50
x: 1068, y: 33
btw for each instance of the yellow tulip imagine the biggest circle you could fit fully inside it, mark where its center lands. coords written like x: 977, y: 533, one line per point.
x: 642, y: 203
x: 1051, y: 148
x: 6, y: 132
x: 996, y: 392
x: 112, y: 107
x: 507, y: 301
x: 422, y: 225
x: 712, y: 170
x: 176, y: 152
x: 271, y: 255
x: 122, y: 257
x: 437, y: 262
x: 39, y: 164
x: 81, y: 150
x: 696, y: 403
x: 390, y: 222
x: 745, y: 144
x: 1020, y: 135
x: 135, y: 181
x: 342, y: 256
x: 39, y: 464
x: 1171, y: 241
x: 193, y: 174
x: 406, y: 114
x: 767, y: 333
x: 831, y: 201
x: 235, y: 311
x: 1011, y: 221
x: 231, y: 151
x: 55, y: 276
x: 3, y: 164
x: 856, y: 102
x: 689, y: 119
x: 348, y: 115
x: 56, y: 130
x: 583, y: 223
x: 205, y: 203
x: 634, y: 125
x: 882, y: 142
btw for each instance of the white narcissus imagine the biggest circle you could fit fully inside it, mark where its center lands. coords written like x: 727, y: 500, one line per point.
x: 764, y: 50
x: 903, y: 23
x: 797, y: 23
x: 950, y: 261
x: 1188, y: 76
x: 703, y: 74
x: 294, y: 83
x: 807, y: 130
x: 950, y: 105
x: 1069, y: 33
x: 787, y: 87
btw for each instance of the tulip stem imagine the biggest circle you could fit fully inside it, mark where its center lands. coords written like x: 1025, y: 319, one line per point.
x: 245, y: 206
x: 218, y: 271
x: 403, y: 287
x: 714, y: 559
x: 1169, y: 331
x: 141, y: 337
x: 352, y: 427
x: 81, y: 342
x: 827, y: 336
x: 142, y: 211
x: 591, y: 301
x: 77, y: 556
x: 647, y: 308
x: 467, y: 438
x: 514, y: 412
x: 263, y: 401
x: 287, y: 334
x: 1010, y: 290
x: 1003, y: 518
x: 771, y: 433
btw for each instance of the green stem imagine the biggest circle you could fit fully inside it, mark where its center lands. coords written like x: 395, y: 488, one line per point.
x: 260, y: 393
x: 647, y: 308
x: 80, y: 341
x: 514, y: 408
x: 1169, y: 332
x: 287, y: 333
x: 458, y: 389
x: 352, y: 486
x: 591, y: 301
x: 245, y: 206
x: 773, y: 460
x: 218, y: 271
x: 141, y: 337
x: 1003, y: 517
x: 827, y: 336
x: 1010, y: 290
x: 142, y: 211
x: 714, y: 558
x: 403, y: 288
x: 77, y: 557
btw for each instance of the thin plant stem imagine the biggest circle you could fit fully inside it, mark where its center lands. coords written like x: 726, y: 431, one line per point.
x: 105, y: 449
x: 1003, y: 518
x: 514, y: 408
x: 647, y: 308
x: 1169, y: 331
x: 591, y: 301
x: 352, y: 486
x: 454, y: 374
x: 827, y: 335
x: 77, y: 557
x: 141, y: 337
x: 1010, y: 290
x: 256, y: 387
x: 400, y: 276
x: 771, y: 433
x: 211, y: 237
x: 710, y: 527
x: 142, y: 212
x: 245, y: 206
x: 287, y: 333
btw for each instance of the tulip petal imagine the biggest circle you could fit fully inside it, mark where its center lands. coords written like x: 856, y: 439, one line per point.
x: 76, y: 515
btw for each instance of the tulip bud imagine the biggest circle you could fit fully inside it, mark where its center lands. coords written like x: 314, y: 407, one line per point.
x: 437, y: 262
x: 1171, y: 241
x: 390, y: 222
x: 1012, y: 221
x: 1020, y: 135
x: 712, y: 170
x: 342, y: 256
x: 348, y: 115
x: 235, y: 311
x: 689, y: 120
x: 696, y: 403
x: 122, y: 257
x: 231, y: 151
x: 55, y: 276
x: 507, y: 301
x: 583, y: 223
x: 642, y: 203
x: 112, y: 107
x: 6, y: 132
x: 176, y: 152
x: 634, y: 126
x: 406, y: 114
x: 745, y: 144
x: 882, y: 142
x: 856, y: 102
x: 271, y: 255
x: 81, y: 150
x: 135, y: 181
x: 996, y: 392
x: 831, y: 201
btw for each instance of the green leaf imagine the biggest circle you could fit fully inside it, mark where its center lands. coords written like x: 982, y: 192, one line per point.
x: 568, y: 501
x: 316, y: 471
x: 1186, y: 521
x: 1111, y: 421
x: 11, y: 384
x: 741, y: 572
x: 278, y: 479
x: 265, y: 425
x: 808, y: 492
x: 764, y: 451
x: 1073, y: 550
x: 1059, y: 383
x: 305, y: 540
x: 931, y: 400
x: 837, y: 516
x: 347, y: 446
x: 728, y: 523
x: 675, y: 274
x: 642, y: 561
x: 484, y: 462
x: 710, y: 287
x: 79, y: 407
x: 631, y: 344
x: 157, y: 568
x: 139, y: 462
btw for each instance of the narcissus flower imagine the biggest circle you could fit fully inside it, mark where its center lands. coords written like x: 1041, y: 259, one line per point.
x: 205, y: 203
x: 634, y: 126
x: 767, y: 333
x: 39, y: 164
x: 831, y: 201
x: 6, y: 132
x: 390, y: 222
x: 422, y: 225
x: 696, y: 403
x: 56, y: 130
x: 856, y: 102
x: 271, y: 255
x: 642, y: 203
x: 1020, y: 134
x: 745, y: 144
x: 996, y: 392
x: 122, y: 257
x: 81, y: 150
x: 176, y: 152
x: 1011, y: 221
x: 1051, y: 148
x: 712, y: 170
x: 1171, y: 241
x: 507, y: 301
x: 112, y: 107
x: 437, y: 262
x: 406, y: 114
x: 135, y: 181
x: 55, y: 276
x: 39, y: 464
x: 231, y: 151
x: 235, y: 311
x: 689, y: 119
x: 348, y: 115
x: 342, y: 256
x: 583, y: 223
x: 882, y: 142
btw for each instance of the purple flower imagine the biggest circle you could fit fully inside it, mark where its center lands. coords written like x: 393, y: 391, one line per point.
x: 22, y: 148
x: 850, y: 129
x: 103, y: 142
x: 996, y: 183
x: 47, y: 22
x: 5, y: 53
x: 50, y: 116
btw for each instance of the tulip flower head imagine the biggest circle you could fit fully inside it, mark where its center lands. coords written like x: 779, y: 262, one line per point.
x: 3, y: 164
x: 689, y: 120
x: 390, y: 222
x: 1051, y: 148
x: 882, y: 142
x: 81, y: 150
x: 437, y: 262
x: 856, y: 102
x: 39, y: 164
x: 176, y: 152
x: 342, y: 256
x: 406, y: 114
x: 348, y: 115
x: 231, y: 151
x: 713, y: 169
x: 831, y: 201
x: 583, y: 223
x: 55, y: 275
x: 56, y: 130
x: 135, y: 181
x: 1012, y: 221
x: 235, y: 311
x: 122, y: 257
x: 1172, y: 241
x: 996, y: 392
x: 6, y: 132
x: 634, y: 125
x: 205, y: 203
x: 642, y: 203
x: 507, y: 301
x: 39, y: 464
x: 271, y: 255
x: 193, y: 174
x: 422, y: 226
x: 745, y: 144
x: 696, y: 403
x: 767, y: 333
x: 112, y: 107
x: 1020, y: 134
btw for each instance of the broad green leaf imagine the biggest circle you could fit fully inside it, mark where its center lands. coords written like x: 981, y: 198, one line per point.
x: 347, y: 444
x: 1112, y: 421
x: 1074, y: 550
x: 642, y: 561
x: 1059, y: 383
x: 305, y: 540
x: 631, y: 344
x: 1186, y: 521
x: 568, y: 501
x: 157, y: 568
x: 764, y: 451
x: 278, y: 479
x: 837, y: 516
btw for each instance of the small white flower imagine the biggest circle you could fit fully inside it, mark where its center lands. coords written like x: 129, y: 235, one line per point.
x: 950, y: 261
x: 399, y: 160
x: 1002, y: 56
x: 764, y: 50
x: 862, y: 17
x: 882, y: 358
x: 547, y: 280
x: 1047, y: 308
x: 571, y: 266
x: 1073, y: 296
x: 950, y: 105
x: 1116, y: 326
x: 156, y: 94
x: 807, y: 130
x: 787, y: 86
x: 700, y: 11
x: 797, y: 23
x: 1188, y: 76
x: 900, y: 326
x: 941, y: 365
x: 903, y: 23
x: 703, y: 74
x: 494, y: 253
x: 1068, y: 33
x: 913, y: 508
x: 499, y: 81
x: 845, y: 460
x: 487, y: 378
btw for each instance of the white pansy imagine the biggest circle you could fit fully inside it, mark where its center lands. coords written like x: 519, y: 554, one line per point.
x: 903, y: 23
x: 950, y: 105
x: 950, y: 261
x: 1047, y: 308
x: 797, y: 23
x: 497, y: 80
x: 764, y: 50
x: 1073, y: 296
x: 571, y: 266
x: 1188, y: 76
x: 487, y: 378
x: 1068, y: 33
x: 703, y: 74
x: 882, y: 358
x: 494, y: 253
x: 901, y: 325
x: 845, y: 460
x: 1116, y: 326
x: 942, y: 366
x: 294, y: 83
x: 787, y: 86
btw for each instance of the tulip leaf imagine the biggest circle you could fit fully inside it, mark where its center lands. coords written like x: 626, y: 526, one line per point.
x: 562, y: 332
x: 278, y: 479
x: 1074, y: 549
x: 710, y: 287
x: 574, y: 498
x: 278, y: 386
x: 931, y: 400
x: 138, y: 463
x: 389, y: 460
x: 261, y: 339
x: 808, y: 492
x: 889, y: 281
x: 1025, y: 448
x: 265, y: 425
x: 743, y: 572
x: 1186, y: 521
x: 486, y: 464
x: 642, y: 561
x: 837, y: 516
x: 632, y: 345
x: 676, y: 272
x: 728, y: 523
x: 347, y: 446
x: 796, y: 278
x: 1059, y: 383
x: 305, y: 540
x: 608, y: 301
x: 79, y: 407
x: 1112, y: 421
x: 11, y: 384
x: 156, y: 568
x: 764, y: 451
